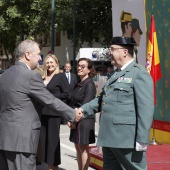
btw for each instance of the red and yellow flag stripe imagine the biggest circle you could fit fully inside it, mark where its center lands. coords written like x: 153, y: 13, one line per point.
x: 153, y: 61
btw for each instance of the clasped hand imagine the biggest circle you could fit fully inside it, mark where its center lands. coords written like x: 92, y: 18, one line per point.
x: 79, y: 114
x: 78, y: 117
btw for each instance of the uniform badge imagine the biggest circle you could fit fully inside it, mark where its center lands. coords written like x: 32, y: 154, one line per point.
x: 124, y: 80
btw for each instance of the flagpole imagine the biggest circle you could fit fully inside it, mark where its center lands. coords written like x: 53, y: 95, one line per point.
x: 153, y: 67
x: 153, y: 141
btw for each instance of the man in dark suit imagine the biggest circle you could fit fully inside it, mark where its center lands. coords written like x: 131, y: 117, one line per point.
x: 71, y: 80
x: 71, y: 77
x: 126, y: 106
x: 22, y: 93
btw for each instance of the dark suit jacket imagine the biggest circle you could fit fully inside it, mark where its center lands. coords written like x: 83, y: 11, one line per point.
x: 72, y: 82
x: 22, y: 93
x: 59, y: 87
x: 84, y: 92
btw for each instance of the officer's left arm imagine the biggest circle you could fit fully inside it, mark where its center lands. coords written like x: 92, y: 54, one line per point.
x: 143, y: 88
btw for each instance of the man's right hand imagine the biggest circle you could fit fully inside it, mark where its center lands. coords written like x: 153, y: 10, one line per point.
x: 79, y: 114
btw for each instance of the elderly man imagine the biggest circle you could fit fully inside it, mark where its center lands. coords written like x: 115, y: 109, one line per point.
x: 22, y: 93
x: 126, y: 106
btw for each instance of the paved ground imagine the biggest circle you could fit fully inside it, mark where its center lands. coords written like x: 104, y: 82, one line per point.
x: 68, y: 153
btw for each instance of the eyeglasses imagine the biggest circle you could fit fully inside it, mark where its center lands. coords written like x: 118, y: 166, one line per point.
x: 81, y: 66
x: 114, y: 49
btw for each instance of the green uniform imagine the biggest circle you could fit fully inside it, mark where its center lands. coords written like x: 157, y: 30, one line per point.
x: 126, y: 106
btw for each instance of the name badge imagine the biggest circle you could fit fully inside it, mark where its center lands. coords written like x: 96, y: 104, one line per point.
x: 124, y: 80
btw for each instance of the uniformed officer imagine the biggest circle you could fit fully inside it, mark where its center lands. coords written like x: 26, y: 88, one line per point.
x: 136, y: 34
x: 126, y: 106
x: 125, y: 19
x: 136, y: 31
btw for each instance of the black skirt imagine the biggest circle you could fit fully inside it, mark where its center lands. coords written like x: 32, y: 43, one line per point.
x: 50, y: 140
x: 84, y: 132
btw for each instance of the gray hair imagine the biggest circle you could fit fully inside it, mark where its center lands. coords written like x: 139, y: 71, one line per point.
x: 26, y: 45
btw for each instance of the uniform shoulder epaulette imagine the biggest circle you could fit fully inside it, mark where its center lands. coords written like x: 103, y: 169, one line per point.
x: 138, y: 65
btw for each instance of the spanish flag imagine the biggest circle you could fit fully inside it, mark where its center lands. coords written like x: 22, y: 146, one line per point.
x: 152, y: 61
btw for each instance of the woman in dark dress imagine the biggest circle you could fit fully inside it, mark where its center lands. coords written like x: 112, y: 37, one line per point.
x: 49, y: 136
x: 83, y: 133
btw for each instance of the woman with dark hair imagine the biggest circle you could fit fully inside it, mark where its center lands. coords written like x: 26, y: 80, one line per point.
x: 82, y: 134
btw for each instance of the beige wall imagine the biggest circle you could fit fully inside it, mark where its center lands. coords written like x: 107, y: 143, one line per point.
x: 65, y: 51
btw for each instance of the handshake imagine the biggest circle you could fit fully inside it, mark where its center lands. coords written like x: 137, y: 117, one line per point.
x: 79, y: 114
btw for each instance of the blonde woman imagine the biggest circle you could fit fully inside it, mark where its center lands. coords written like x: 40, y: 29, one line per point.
x: 56, y: 83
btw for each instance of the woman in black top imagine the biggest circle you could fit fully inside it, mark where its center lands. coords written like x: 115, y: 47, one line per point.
x: 82, y: 134
x: 49, y: 137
